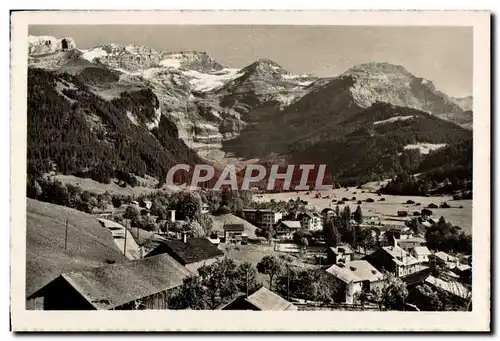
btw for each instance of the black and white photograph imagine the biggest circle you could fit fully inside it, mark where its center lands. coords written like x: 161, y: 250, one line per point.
x: 329, y: 168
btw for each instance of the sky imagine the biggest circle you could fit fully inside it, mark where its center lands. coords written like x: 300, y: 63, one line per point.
x: 440, y: 54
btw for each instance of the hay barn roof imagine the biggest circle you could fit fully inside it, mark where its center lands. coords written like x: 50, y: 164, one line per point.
x: 114, y: 285
x: 264, y: 299
x: 192, y: 251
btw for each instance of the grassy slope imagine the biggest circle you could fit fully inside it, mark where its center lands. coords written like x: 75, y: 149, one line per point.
x: 89, y: 244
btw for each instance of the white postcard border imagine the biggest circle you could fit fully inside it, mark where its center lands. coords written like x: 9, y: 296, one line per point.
x: 477, y: 320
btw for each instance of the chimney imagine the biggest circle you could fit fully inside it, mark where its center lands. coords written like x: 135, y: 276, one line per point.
x: 184, y: 237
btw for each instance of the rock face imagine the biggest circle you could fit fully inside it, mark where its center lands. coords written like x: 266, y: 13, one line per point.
x: 124, y: 57
x: 465, y: 103
x: 39, y: 45
x: 384, y: 82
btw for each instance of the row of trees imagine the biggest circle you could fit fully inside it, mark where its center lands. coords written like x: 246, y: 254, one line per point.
x: 221, y: 281
x: 344, y: 227
x: 54, y: 191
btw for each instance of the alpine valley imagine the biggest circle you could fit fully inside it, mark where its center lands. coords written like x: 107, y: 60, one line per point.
x: 114, y: 111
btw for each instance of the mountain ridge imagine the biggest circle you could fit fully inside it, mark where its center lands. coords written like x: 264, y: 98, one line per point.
x: 229, y: 115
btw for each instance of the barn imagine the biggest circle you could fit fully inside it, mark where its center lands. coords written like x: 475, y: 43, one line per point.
x: 138, y: 284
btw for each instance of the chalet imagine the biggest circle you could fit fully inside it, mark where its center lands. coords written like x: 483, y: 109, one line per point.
x: 421, y: 253
x: 261, y: 300
x: 339, y: 253
x: 385, y: 232
x: 311, y: 221
x: 286, y: 228
x: 193, y: 253
x: 464, y: 273
x: 263, y: 218
x: 139, y: 284
x: 443, y: 259
x: 393, y: 259
x: 399, y: 232
x: 233, y: 233
x: 409, y: 244
x: 354, y: 277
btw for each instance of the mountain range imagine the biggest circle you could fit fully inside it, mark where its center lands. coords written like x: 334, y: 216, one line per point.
x: 132, y: 109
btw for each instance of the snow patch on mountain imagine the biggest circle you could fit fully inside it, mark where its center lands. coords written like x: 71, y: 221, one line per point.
x: 132, y: 118
x: 173, y: 63
x: 156, y: 120
x: 92, y: 54
x: 425, y: 148
x: 203, y: 82
x: 393, y: 119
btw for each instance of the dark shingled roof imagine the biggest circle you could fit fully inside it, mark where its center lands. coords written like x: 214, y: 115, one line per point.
x: 192, y: 251
x: 114, y: 285
x: 233, y: 227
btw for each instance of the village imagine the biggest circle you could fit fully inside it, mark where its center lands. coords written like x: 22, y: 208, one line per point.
x: 269, y: 255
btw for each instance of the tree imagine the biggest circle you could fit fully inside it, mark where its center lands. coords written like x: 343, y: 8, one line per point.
x: 270, y: 265
x: 93, y: 203
x: 116, y: 201
x: 358, y: 215
x: 346, y: 214
x: 215, y: 284
x: 331, y: 233
x: 391, y: 294
x: 262, y: 233
x: 308, y: 284
x: 191, y: 295
x: 206, y: 223
x: 395, y: 294
x: 196, y: 229
x: 246, y: 278
x: 366, y: 239
x: 304, y: 242
x: 34, y: 190
x: 223, y: 209
x: 189, y: 206
x: 425, y: 298
x: 131, y: 212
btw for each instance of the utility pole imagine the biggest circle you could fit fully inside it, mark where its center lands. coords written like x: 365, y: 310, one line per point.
x: 125, y: 243
x: 288, y: 282
x: 66, y: 235
x: 247, y: 282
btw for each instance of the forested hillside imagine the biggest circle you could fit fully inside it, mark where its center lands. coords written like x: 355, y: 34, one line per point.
x: 74, y: 131
x: 374, y: 144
